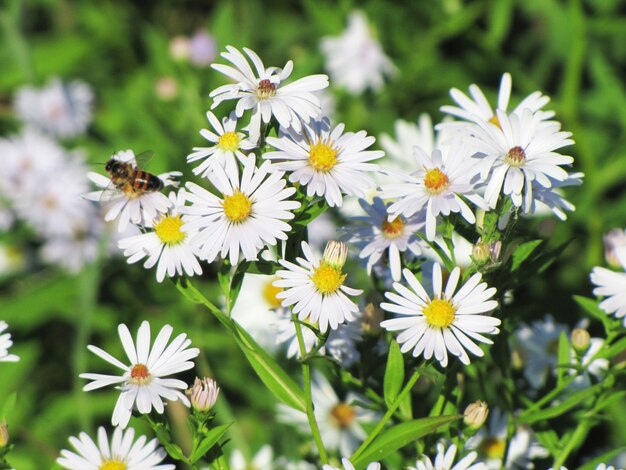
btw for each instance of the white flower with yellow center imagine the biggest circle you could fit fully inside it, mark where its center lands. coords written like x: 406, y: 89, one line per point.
x: 265, y: 93
x: 445, y: 461
x: 249, y: 214
x: 339, y: 421
x: 5, y: 344
x: 227, y: 144
x: 168, y: 243
x: 517, y: 152
x: 122, y: 452
x: 328, y: 162
x: 315, y: 287
x: 478, y: 109
x: 444, y: 322
x: 145, y: 382
x: 139, y: 208
x: 376, y: 235
x: 439, y: 185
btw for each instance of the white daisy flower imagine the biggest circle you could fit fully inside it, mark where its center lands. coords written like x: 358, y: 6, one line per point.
x: 265, y: 94
x: 328, y: 162
x: 438, y: 184
x: 168, y: 243
x: 445, y: 461
x: 139, y: 208
x: 122, y: 452
x: 61, y: 109
x: 285, y: 331
x: 432, y: 326
x: 249, y: 214
x: 72, y: 252
x: 520, y: 150
x: 491, y: 444
x: 612, y: 286
x: 478, y: 109
x: 546, y: 200
x: 375, y: 235
x: 538, y: 345
x: 315, y: 287
x: 5, y: 344
x: 355, y: 60
x: 339, y: 421
x: 262, y: 460
x: 347, y: 465
x: 145, y: 381
x: 227, y: 144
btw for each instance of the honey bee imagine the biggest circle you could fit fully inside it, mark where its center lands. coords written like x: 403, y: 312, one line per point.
x: 129, y: 179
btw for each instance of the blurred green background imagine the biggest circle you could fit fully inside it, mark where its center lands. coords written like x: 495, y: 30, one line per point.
x: 574, y: 51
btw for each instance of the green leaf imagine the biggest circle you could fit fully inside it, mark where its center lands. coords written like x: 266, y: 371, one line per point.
x: 400, y: 435
x: 394, y: 374
x: 561, y: 408
x: 591, y: 307
x: 208, y: 442
x: 522, y: 252
x: 174, y: 451
x: 593, y: 464
x: 563, y: 359
x: 613, y: 350
x: 550, y: 440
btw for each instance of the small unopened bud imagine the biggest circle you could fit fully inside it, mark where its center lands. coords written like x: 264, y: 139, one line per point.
x: 495, y: 249
x: 614, y: 240
x: 180, y: 48
x: 336, y: 254
x: 481, y: 252
x: 372, y: 316
x: 580, y: 340
x: 4, y: 434
x: 203, y: 394
x: 476, y: 414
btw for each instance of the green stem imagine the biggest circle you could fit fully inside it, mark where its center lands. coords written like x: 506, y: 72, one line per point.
x: 390, y: 411
x: 306, y: 374
x: 579, y: 434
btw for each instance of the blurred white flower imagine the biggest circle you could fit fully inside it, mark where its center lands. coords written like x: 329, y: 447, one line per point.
x: 355, y: 60
x: 266, y: 94
x: 445, y: 461
x: 227, y: 144
x: 250, y: 213
x: 262, y: 460
x: 614, y: 241
x: 339, y: 421
x: 612, y: 286
x: 121, y: 452
x: 490, y: 443
x: 5, y: 344
x: 202, y: 49
x: 538, y: 346
x: 73, y: 251
x: 328, y: 162
x: 167, y: 245
x: 145, y: 382
x: 347, y: 465
x: 60, y: 109
x: 596, y: 367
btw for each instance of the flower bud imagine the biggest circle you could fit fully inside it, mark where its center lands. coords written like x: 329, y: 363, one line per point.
x: 203, y: 394
x: 475, y: 414
x: 372, y: 316
x: 336, y: 254
x: 481, y: 252
x: 580, y: 340
x: 180, y: 48
x: 4, y: 434
x: 614, y: 240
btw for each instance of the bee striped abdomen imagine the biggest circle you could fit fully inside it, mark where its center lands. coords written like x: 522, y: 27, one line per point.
x: 145, y: 182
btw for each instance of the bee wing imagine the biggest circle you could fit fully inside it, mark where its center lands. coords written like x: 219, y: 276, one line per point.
x: 142, y: 159
x: 111, y: 192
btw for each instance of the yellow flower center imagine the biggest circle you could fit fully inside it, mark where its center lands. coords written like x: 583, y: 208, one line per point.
x: 229, y: 141
x: 237, y: 207
x: 269, y: 294
x: 327, y: 279
x: 322, y: 156
x: 112, y: 465
x: 168, y: 230
x: 343, y: 414
x: 436, y: 180
x: 492, y: 448
x: 439, y: 313
x: 495, y: 121
x: 139, y: 374
x: 516, y: 156
x: 393, y: 229
x: 266, y: 89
